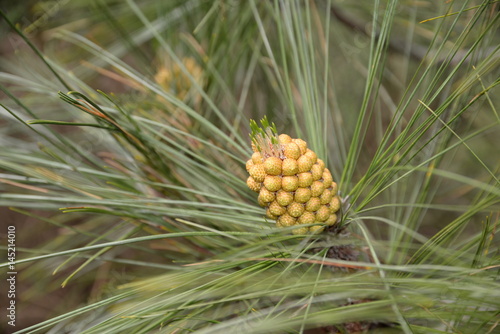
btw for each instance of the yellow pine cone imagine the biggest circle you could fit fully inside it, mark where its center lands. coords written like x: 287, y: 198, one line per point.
x: 293, y: 184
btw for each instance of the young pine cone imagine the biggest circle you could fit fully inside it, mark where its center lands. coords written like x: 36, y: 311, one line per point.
x: 293, y: 184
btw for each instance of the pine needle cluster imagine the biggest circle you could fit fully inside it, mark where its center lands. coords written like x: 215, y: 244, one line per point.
x: 126, y: 169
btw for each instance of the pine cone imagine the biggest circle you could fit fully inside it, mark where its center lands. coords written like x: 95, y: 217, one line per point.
x: 293, y: 184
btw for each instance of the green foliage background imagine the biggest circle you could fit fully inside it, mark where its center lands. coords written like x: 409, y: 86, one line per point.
x: 124, y: 132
